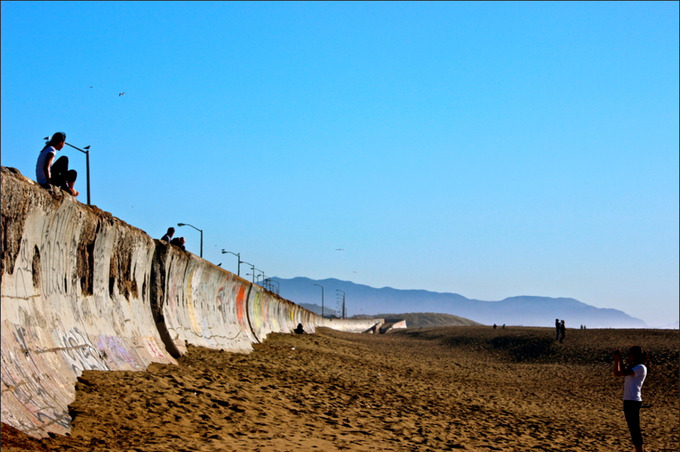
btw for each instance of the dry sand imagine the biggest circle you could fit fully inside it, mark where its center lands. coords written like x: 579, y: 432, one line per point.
x: 454, y: 388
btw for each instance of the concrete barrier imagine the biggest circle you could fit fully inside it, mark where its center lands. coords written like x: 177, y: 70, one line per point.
x: 355, y: 326
x: 75, y: 284
x: 82, y: 290
x: 201, y: 304
x: 391, y: 324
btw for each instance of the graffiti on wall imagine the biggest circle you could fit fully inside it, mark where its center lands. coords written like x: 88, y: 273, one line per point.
x: 79, y: 352
x: 117, y: 352
x: 152, y: 347
x: 25, y: 379
x: 225, y: 303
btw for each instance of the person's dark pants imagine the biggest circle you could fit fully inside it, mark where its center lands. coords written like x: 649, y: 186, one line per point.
x: 61, y: 174
x: 631, y: 409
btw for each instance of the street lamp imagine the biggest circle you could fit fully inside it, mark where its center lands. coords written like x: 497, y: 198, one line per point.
x: 86, y: 151
x: 322, y: 310
x: 342, y: 313
x: 270, y: 285
x: 252, y: 274
x: 258, y: 273
x: 200, y: 230
x: 238, y: 256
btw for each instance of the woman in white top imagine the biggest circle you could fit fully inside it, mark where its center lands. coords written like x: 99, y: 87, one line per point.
x: 48, y: 172
x: 635, y: 373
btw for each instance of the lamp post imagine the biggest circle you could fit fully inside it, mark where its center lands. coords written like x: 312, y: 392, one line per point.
x: 256, y: 275
x: 342, y: 313
x: 271, y: 283
x: 322, y: 310
x: 86, y: 151
x: 259, y: 274
x: 199, y: 230
x: 238, y: 256
x: 253, y: 273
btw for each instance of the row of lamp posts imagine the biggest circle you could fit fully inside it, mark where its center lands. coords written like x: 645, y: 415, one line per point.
x: 266, y: 282
x: 255, y: 272
x: 323, y: 312
x: 86, y: 151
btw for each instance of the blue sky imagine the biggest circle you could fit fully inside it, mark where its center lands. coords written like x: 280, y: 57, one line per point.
x: 486, y: 149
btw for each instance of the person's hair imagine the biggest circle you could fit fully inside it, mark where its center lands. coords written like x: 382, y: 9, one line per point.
x: 639, y: 357
x: 57, y: 138
x: 171, y: 230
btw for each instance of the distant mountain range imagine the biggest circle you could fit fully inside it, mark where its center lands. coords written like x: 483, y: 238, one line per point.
x: 522, y: 310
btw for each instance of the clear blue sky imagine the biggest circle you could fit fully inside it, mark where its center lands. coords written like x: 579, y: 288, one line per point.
x: 486, y: 149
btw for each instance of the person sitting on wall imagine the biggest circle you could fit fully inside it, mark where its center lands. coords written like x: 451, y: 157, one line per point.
x: 48, y: 172
x: 299, y: 329
x: 168, y: 235
x: 179, y: 241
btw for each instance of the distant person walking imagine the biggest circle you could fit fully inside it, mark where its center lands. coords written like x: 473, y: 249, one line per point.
x: 558, y: 329
x: 563, y: 331
x: 48, y: 172
x: 635, y: 373
x: 168, y: 235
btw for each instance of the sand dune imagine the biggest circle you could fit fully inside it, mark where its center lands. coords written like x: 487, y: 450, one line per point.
x: 454, y: 388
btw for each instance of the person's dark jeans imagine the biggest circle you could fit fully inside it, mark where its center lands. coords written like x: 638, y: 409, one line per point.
x: 61, y: 174
x: 631, y: 409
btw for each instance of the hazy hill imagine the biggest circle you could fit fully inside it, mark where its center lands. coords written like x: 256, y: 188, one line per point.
x: 520, y: 310
x: 316, y: 309
x: 429, y: 319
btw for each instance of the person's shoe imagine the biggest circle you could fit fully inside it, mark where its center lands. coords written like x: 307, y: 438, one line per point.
x: 69, y: 188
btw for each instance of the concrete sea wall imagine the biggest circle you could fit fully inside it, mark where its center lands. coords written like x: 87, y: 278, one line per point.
x: 82, y: 290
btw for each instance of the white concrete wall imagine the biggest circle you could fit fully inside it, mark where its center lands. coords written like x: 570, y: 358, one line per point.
x: 82, y: 290
x: 51, y: 329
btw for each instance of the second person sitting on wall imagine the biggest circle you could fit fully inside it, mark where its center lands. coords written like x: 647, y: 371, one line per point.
x: 48, y: 172
x: 179, y: 241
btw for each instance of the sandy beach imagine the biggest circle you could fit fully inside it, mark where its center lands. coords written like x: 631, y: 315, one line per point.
x: 453, y: 388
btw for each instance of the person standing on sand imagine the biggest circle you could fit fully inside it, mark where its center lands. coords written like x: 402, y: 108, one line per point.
x: 557, y: 329
x: 635, y: 373
x: 563, y: 331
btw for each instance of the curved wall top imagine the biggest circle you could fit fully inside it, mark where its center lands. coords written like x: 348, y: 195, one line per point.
x: 83, y: 290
